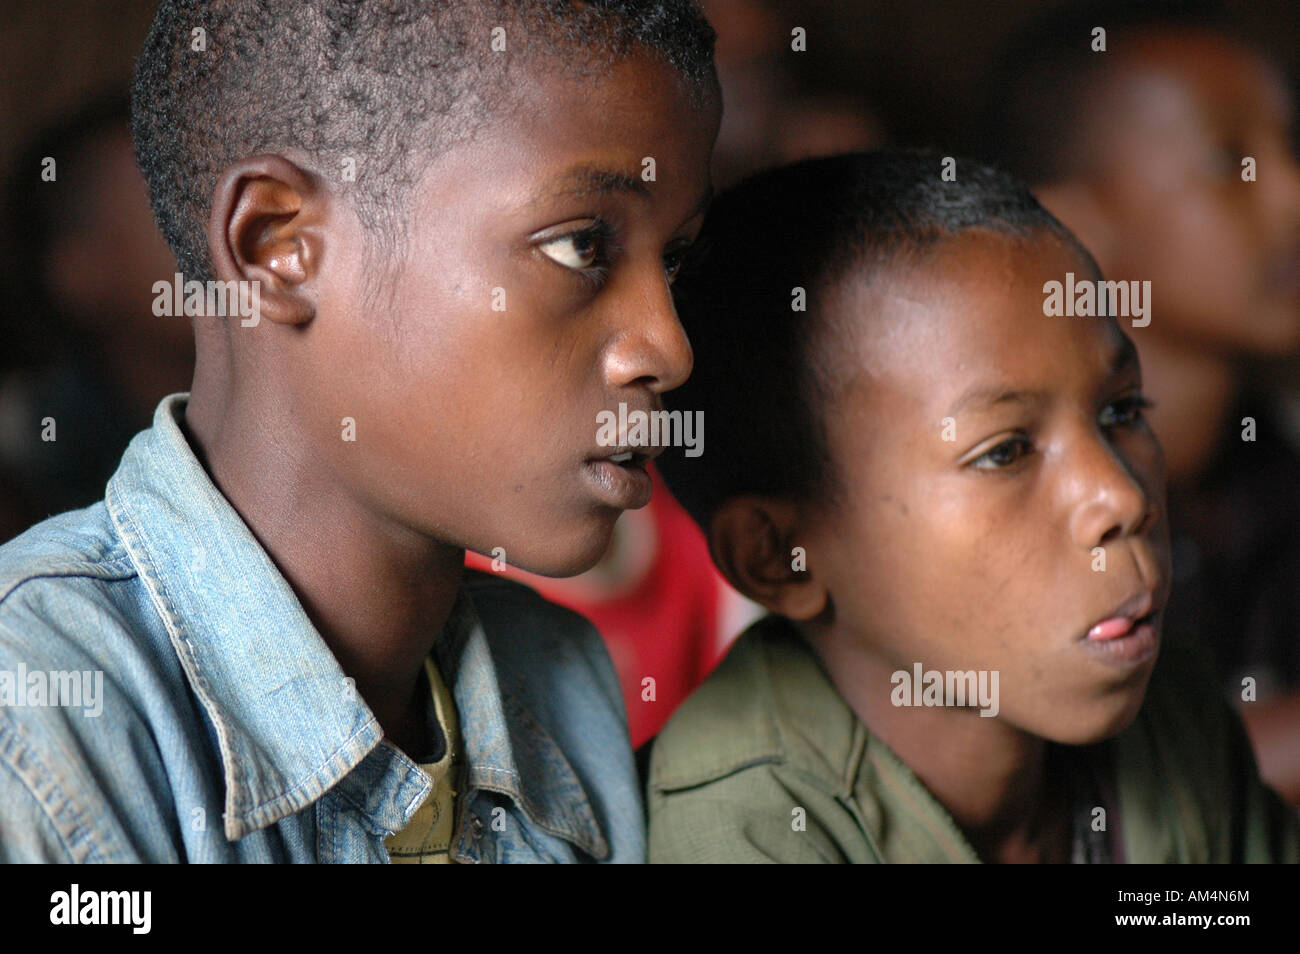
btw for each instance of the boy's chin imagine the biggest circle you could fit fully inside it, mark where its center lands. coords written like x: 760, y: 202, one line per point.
x: 1101, y: 722
x: 561, y: 557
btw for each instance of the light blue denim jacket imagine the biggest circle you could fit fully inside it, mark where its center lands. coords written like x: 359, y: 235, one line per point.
x: 227, y: 732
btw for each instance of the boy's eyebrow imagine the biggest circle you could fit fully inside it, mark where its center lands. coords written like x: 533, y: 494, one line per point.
x: 586, y: 181
x: 984, y: 397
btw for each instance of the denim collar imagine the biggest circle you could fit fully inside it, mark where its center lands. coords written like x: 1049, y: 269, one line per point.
x: 507, y: 749
x: 289, y: 724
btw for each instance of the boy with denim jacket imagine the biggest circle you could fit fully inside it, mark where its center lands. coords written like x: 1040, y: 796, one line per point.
x: 423, y: 253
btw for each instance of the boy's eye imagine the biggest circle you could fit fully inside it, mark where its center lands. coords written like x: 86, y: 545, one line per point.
x: 1004, y: 455
x: 577, y: 250
x: 1124, y: 412
x: 673, y: 263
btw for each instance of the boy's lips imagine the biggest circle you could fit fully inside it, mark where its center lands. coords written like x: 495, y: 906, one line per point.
x: 618, y: 478
x: 1127, y: 636
x: 635, y: 454
x: 1123, y: 618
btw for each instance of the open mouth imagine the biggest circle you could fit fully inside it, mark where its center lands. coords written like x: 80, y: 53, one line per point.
x: 1128, y: 636
x: 629, y: 458
x: 1118, y: 627
x: 620, y: 480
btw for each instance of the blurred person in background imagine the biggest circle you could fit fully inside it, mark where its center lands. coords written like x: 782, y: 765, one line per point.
x: 775, y: 114
x: 1169, y: 155
x: 87, y: 358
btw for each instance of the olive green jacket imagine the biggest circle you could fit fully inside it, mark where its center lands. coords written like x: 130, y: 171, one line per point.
x: 767, y: 734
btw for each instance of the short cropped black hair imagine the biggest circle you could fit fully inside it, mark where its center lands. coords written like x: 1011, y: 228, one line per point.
x: 1034, y: 118
x: 385, y: 83
x: 758, y: 373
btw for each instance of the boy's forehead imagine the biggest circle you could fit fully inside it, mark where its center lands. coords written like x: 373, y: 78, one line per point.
x: 971, y: 308
x: 568, y: 135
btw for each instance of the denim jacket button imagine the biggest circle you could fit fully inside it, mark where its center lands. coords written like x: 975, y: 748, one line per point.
x: 476, y: 827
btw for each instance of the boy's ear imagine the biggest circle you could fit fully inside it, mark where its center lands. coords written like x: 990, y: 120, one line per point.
x: 753, y: 541
x: 264, y: 228
x: 1083, y: 209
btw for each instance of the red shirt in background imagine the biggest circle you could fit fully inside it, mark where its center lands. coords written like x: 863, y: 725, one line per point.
x: 666, y: 614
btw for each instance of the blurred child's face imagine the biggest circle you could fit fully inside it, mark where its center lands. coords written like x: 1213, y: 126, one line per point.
x: 979, y: 551
x: 1222, y: 254
x: 534, y: 293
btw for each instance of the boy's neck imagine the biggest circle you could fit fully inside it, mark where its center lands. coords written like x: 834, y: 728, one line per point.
x: 378, y: 594
x: 989, y: 775
x: 1193, y: 388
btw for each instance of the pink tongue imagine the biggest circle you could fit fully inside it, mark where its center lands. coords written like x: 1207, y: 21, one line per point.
x: 1111, y: 628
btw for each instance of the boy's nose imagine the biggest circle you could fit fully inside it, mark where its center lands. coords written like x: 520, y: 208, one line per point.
x: 650, y: 347
x: 1109, y: 502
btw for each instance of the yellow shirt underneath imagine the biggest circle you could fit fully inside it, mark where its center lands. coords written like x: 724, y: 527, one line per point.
x: 426, y: 839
